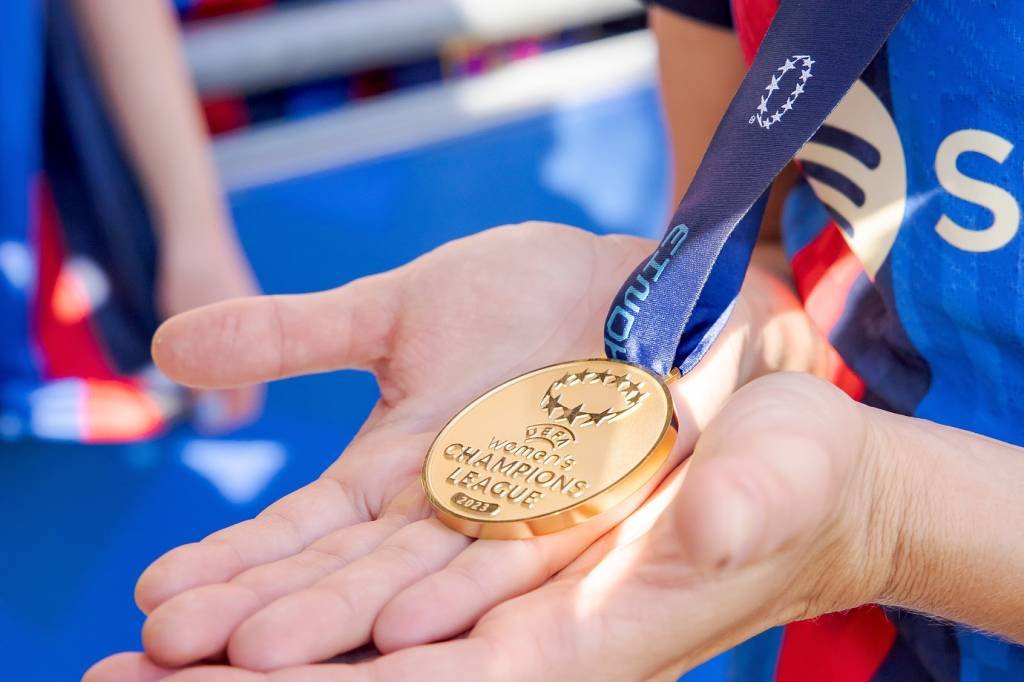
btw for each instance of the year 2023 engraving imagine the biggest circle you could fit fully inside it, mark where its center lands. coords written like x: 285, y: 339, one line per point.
x: 474, y: 505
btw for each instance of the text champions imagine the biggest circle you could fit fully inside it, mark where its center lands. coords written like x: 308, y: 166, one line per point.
x: 513, y: 472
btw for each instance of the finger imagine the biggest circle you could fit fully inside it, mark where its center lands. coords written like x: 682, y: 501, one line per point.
x: 728, y: 533
x: 215, y: 673
x: 445, y: 661
x: 587, y: 623
x: 701, y: 393
x: 215, y: 412
x: 198, y: 623
x: 451, y: 600
x: 284, y: 528
x: 250, y: 340
x: 446, y: 658
x: 767, y: 471
x: 337, y: 613
x: 126, y: 667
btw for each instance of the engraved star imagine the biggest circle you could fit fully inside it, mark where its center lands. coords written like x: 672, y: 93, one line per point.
x: 798, y: 90
x: 572, y: 414
x: 776, y: 117
x: 601, y: 416
x: 601, y: 377
x: 788, y: 104
x: 774, y: 85
x: 785, y: 68
x: 805, y: 74
x: 763, y: 106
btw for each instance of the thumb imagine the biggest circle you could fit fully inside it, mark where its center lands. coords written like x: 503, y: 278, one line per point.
x: 769, y: 472
x: 261, y: 338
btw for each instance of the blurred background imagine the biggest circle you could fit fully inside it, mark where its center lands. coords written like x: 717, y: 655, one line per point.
x: 350, y: 136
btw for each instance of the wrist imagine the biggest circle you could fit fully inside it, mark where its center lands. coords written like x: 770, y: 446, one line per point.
x: 953, y: 518
x: 180, y: 221
x: 890, y: 488
x: 911, y: 532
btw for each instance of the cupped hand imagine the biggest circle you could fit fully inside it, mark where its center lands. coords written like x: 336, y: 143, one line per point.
x: 355, y: 555
x: 778, y: 516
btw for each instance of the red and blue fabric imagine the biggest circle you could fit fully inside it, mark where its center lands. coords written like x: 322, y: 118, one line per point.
x: 925, y: 306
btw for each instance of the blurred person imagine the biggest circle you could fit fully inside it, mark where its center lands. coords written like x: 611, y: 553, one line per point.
x: 111, y: 219
x: 799, y: 500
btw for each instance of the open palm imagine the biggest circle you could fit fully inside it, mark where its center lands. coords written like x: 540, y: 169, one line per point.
x: 355, y: 555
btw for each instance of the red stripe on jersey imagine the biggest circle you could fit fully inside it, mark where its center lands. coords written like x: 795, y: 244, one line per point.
x: 118, y: 412
x: 752, y: 18
x: 845, y: 647
x: 66, y: 340
x: 113, y: 409
x: 846, y: 379
x: 824, y: 272
x: 215, y: 8
x: 813, y: 262
x: 839, y: 647
x: 225, y: 114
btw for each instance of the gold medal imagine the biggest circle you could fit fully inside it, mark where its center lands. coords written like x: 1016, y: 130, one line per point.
x: 550, y: 449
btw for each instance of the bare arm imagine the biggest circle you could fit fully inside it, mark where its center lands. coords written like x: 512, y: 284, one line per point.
x: 700, y: 67
x: 135, y: 51
x: 134, y: 47
x: 956, y: 523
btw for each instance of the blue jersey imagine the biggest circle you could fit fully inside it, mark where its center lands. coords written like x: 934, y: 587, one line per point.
x: 77, y: 249
x: 906, y: 247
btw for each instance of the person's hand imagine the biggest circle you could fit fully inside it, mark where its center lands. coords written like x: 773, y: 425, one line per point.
x: 796, y: 502
x: 356, y: 554
x: 199, y: 266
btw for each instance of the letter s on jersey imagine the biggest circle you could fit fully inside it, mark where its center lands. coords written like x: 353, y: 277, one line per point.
x: 1004, y: 207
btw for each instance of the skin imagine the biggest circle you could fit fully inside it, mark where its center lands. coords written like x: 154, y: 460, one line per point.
x: 796, y: 501
x: 156, y: 113
x: 355, y: 555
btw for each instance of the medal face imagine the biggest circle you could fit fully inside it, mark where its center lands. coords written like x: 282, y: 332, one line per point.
x: 550, y: 449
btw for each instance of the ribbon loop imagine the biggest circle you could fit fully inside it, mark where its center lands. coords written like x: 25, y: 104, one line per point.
x: 674, y: 305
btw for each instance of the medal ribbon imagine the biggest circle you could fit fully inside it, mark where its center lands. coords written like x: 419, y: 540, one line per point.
x: 676, y: 302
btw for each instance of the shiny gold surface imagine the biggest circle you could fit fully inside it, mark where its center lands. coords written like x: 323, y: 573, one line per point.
x: 550, y: 449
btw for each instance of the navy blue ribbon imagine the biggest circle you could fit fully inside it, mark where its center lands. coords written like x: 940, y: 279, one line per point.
x: 675, y: 303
